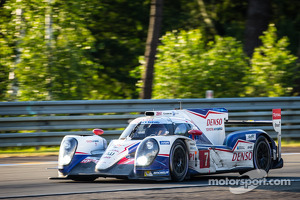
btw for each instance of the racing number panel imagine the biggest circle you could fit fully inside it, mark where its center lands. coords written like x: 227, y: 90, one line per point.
x: 204, y: 158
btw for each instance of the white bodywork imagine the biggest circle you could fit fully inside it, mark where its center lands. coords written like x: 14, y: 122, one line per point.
x: 209, y: 152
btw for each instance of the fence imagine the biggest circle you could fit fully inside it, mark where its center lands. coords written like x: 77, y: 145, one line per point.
x: 39, y: 123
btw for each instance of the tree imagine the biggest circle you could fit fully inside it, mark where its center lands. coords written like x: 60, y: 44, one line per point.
x: 273, y: 67
x: 187, y: 66
x: 151, y: 45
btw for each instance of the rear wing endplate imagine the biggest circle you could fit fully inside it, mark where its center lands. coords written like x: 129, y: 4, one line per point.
x: 276, y: 122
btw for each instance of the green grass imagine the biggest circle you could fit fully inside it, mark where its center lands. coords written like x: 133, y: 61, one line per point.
x: 28, y: 151
x: 290, y: 143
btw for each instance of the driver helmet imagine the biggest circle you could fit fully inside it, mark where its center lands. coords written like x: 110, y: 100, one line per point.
x: 180, y: 129
x: 157, y: 129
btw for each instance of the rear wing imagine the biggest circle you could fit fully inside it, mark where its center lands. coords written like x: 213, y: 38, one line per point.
x: 276, y: 122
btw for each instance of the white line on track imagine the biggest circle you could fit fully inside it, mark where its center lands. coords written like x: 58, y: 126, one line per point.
x: 290, y: 154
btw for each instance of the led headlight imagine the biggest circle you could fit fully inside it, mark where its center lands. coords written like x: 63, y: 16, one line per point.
x: 146, y: 152
x: 67, y: 150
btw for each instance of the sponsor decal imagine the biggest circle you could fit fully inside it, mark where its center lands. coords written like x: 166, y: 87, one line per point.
x: 90, y: 141
x: 148, y: 173
x: 276, y: 114
x: 214, y: 129
x: 240, y: 147
x: 161, y: 173
x: 250, y: 136
x: 193, y: 148
x: 250, y: 147
x: 214, y: 122
x: 107, y: 157
x: 150, y: 122
x: 277, y: 124
x: 242, y: 156
x: 110, y: 153
x: 88, y: 160
x: 164, y: 142
x: 158, y: 113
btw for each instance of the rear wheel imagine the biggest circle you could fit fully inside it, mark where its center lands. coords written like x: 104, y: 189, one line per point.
x: 178, y: 161
x: 262, y: 154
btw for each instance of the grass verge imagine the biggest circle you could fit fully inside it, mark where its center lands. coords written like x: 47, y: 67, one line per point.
x: 28, y: 151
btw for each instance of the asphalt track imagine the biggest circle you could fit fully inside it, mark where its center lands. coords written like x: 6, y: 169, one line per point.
x: 27, y: 178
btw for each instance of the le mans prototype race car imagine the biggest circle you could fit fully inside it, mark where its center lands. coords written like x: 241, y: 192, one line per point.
x: 171, y: 145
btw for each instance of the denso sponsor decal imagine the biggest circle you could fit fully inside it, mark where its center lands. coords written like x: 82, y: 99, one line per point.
x: 214, y: 122
x: 242, y: 156
x: 164, y: 142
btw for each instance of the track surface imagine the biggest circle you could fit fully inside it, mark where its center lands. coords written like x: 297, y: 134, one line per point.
x: 26, y: 178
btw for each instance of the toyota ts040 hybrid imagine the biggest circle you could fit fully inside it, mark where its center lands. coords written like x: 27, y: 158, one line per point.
x: 171, y: 145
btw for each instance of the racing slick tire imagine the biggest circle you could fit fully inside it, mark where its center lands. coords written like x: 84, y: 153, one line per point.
x: 178, y: 161
x: 262, y: 154
x: 83, y: 178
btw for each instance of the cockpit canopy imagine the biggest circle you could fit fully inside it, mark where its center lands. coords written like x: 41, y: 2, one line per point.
x: 141, y: 129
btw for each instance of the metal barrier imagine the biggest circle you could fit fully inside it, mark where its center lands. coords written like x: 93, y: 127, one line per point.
x: 39, y: 123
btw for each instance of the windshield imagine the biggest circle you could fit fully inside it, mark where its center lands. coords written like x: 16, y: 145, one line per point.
x: 145, y: 130
x: 127, y: 131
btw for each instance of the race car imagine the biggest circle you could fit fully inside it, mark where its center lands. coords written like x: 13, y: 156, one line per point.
x: 172, y: 145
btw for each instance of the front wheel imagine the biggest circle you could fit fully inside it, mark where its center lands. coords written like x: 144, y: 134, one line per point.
x: 178, y: 161
x: 262, y: 154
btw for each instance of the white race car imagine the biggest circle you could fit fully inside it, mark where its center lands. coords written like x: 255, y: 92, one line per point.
x: 172, y: 144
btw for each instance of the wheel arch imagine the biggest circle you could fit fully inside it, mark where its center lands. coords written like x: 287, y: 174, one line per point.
x: 233, y: 137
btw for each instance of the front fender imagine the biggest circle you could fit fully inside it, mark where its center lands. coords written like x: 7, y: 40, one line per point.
x: 161, y: 164
x: 88, y: 150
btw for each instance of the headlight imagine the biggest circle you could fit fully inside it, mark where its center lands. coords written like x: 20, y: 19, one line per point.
x: 146, y: 152
x: 67, y: 150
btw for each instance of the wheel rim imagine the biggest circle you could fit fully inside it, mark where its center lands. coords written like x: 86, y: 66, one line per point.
x: 179, y: 161
x: 262, y: 154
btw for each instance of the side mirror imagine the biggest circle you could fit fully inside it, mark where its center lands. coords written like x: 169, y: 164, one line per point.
x: 98, y: 131
x: 195, y: 132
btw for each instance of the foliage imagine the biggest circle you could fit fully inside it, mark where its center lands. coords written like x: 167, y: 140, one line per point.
x: 96, y: 44
x: 187, y: 66
x: 273, y: 67
x: 81, y: 59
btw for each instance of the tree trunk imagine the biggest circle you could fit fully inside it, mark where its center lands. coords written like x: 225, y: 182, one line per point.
x: 258, y: 17
x: 151, y: 45
x: 206, y: 19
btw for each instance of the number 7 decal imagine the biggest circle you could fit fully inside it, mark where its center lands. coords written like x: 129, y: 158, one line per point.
x: 204, y: 158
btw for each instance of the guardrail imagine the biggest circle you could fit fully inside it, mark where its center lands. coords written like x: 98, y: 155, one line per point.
x: 38, y: 123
